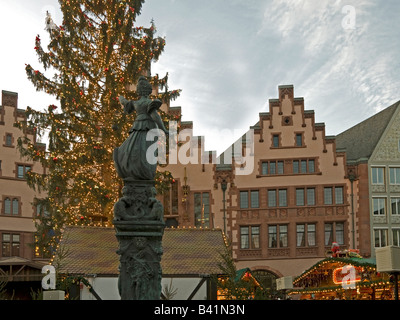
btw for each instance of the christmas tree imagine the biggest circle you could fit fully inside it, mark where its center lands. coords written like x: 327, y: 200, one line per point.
x: 96, y: 55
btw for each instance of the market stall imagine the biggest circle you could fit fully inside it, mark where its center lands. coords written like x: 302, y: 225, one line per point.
x: 348, y: 277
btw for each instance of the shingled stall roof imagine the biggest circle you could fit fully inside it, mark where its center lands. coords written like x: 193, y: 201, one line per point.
x: 92, y: 250
x: 360, y: 141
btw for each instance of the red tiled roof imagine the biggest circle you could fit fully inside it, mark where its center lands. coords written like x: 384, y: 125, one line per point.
x: 92, y: 250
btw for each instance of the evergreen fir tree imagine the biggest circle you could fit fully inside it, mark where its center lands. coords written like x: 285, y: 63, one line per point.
x: 96, y: 55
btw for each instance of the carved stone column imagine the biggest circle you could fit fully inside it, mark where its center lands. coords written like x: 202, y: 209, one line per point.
x: 139, y: 225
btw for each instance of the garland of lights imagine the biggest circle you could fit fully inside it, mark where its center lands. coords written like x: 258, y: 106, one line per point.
x: 97, y: 53
x: 366, y: 272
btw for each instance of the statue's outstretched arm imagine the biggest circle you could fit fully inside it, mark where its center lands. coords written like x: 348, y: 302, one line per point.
x: 123, y: 101
x: 128, y: 105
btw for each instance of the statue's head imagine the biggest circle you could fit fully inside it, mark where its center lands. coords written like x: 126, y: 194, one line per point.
x: 144, y: 88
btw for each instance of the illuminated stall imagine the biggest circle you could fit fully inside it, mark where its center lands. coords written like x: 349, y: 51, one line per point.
x: 243, y: 286
x: 343, y: 278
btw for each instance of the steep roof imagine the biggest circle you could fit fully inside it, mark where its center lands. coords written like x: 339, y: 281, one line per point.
x: 360, y: 141
x: 92, y: 250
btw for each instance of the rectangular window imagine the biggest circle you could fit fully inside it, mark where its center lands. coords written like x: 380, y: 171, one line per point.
x: 15, y: 206
x: 299, y: 197
x: 380, y: 236
x: 328, y: 234
x: 174, y: 198
x: 339, y: 233
x: 167, y: 203
x: 280, y: 167
x: 170, y: 198
x: 311, y: 166
x: 244, y: 199
x: 244, y: 237
x: 15, y: 245
x: 378, y: 174
x: 328, y: 195
x: 395, y: 205
x: 254, y: 199
x: 272, y: 168
x: 271, y: 198
x: 255, y: 237
x: 202, y: 209
x: 275, y: 140
x: 264, y: 168
x: 11, y: 206
x: 295, y: 166
x: 6, y: 245
x: 8, y: 139
x: 303, y: 166
x: 282, y: 198
x: 311, y: 238
x: 299, y: 140
x: 283, y: 236
x: 311, y: 196
x: 22, y: 170
x: 379, y: 206
x: 272, y: 237
x: 394, y: 175
x: 10, y: 245
x: 7, y: 206
x: 250, y: 237
x: 334, y: 232
x: 41, y: 210
x: 300, y: 235
x: 339, y: 195
x: 396, y: 237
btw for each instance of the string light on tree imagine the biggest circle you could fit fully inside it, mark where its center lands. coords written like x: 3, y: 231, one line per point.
x: 94, y: 56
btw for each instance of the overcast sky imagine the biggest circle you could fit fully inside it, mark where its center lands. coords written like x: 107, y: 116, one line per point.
x: 230, y: 56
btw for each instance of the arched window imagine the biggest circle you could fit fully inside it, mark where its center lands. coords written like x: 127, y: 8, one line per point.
x: 266, y: 278
x: 15, y: 206
x: 7, y: 206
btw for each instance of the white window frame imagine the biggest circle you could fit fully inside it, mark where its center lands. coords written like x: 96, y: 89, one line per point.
x: 397, y: 178
x: 396, y: 230
x: 386, y: 230
x: 385, y: 206
x: 397, y: 205
x: 372, y: 175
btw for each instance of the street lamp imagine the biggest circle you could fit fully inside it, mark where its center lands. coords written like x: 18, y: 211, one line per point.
x: 352, y: 178
x: 223, y: 187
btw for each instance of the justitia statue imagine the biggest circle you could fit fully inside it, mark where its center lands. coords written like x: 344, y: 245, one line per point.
x: 130, y: 158
x: 138, y: 215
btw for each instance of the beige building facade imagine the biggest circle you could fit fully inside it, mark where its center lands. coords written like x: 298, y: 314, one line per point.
x: 281, y: 193
x: 18, y: 261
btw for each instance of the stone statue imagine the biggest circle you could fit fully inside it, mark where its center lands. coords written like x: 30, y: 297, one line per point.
x: 131, y: 157
x: 140, y: 276
x: 138, y: 215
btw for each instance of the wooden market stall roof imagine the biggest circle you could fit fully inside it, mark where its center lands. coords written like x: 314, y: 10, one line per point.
x: 187, y: 251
